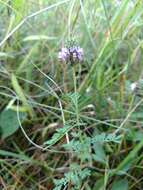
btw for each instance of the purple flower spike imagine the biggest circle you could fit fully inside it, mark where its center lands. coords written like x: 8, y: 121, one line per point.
x: 72, y: 54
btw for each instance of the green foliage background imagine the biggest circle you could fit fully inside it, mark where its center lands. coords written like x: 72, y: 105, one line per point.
x: 71, y: 127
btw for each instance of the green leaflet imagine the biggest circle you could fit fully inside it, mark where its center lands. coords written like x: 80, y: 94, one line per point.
x: 9, y: 122
x: 120, y: 184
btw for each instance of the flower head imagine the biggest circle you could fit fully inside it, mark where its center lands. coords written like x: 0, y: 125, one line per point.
x: 71, y: 54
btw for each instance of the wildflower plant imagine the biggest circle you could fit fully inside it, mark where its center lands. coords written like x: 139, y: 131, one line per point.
x: 71, y: 53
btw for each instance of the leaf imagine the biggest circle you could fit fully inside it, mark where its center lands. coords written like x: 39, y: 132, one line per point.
x: 58, y: 135
x: 20, y: 156
x: 74, y: 97
x: 38, y: 37
x: 20, y: 93
x: 120, y: 184
x: 134, y: 135
x: 59, y: 183
x: 9, y: 122
x: 137, y: 115
x: 20, y: 7
x: 5, y: 55
x: 99, y: 155
x: 99, y: 184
